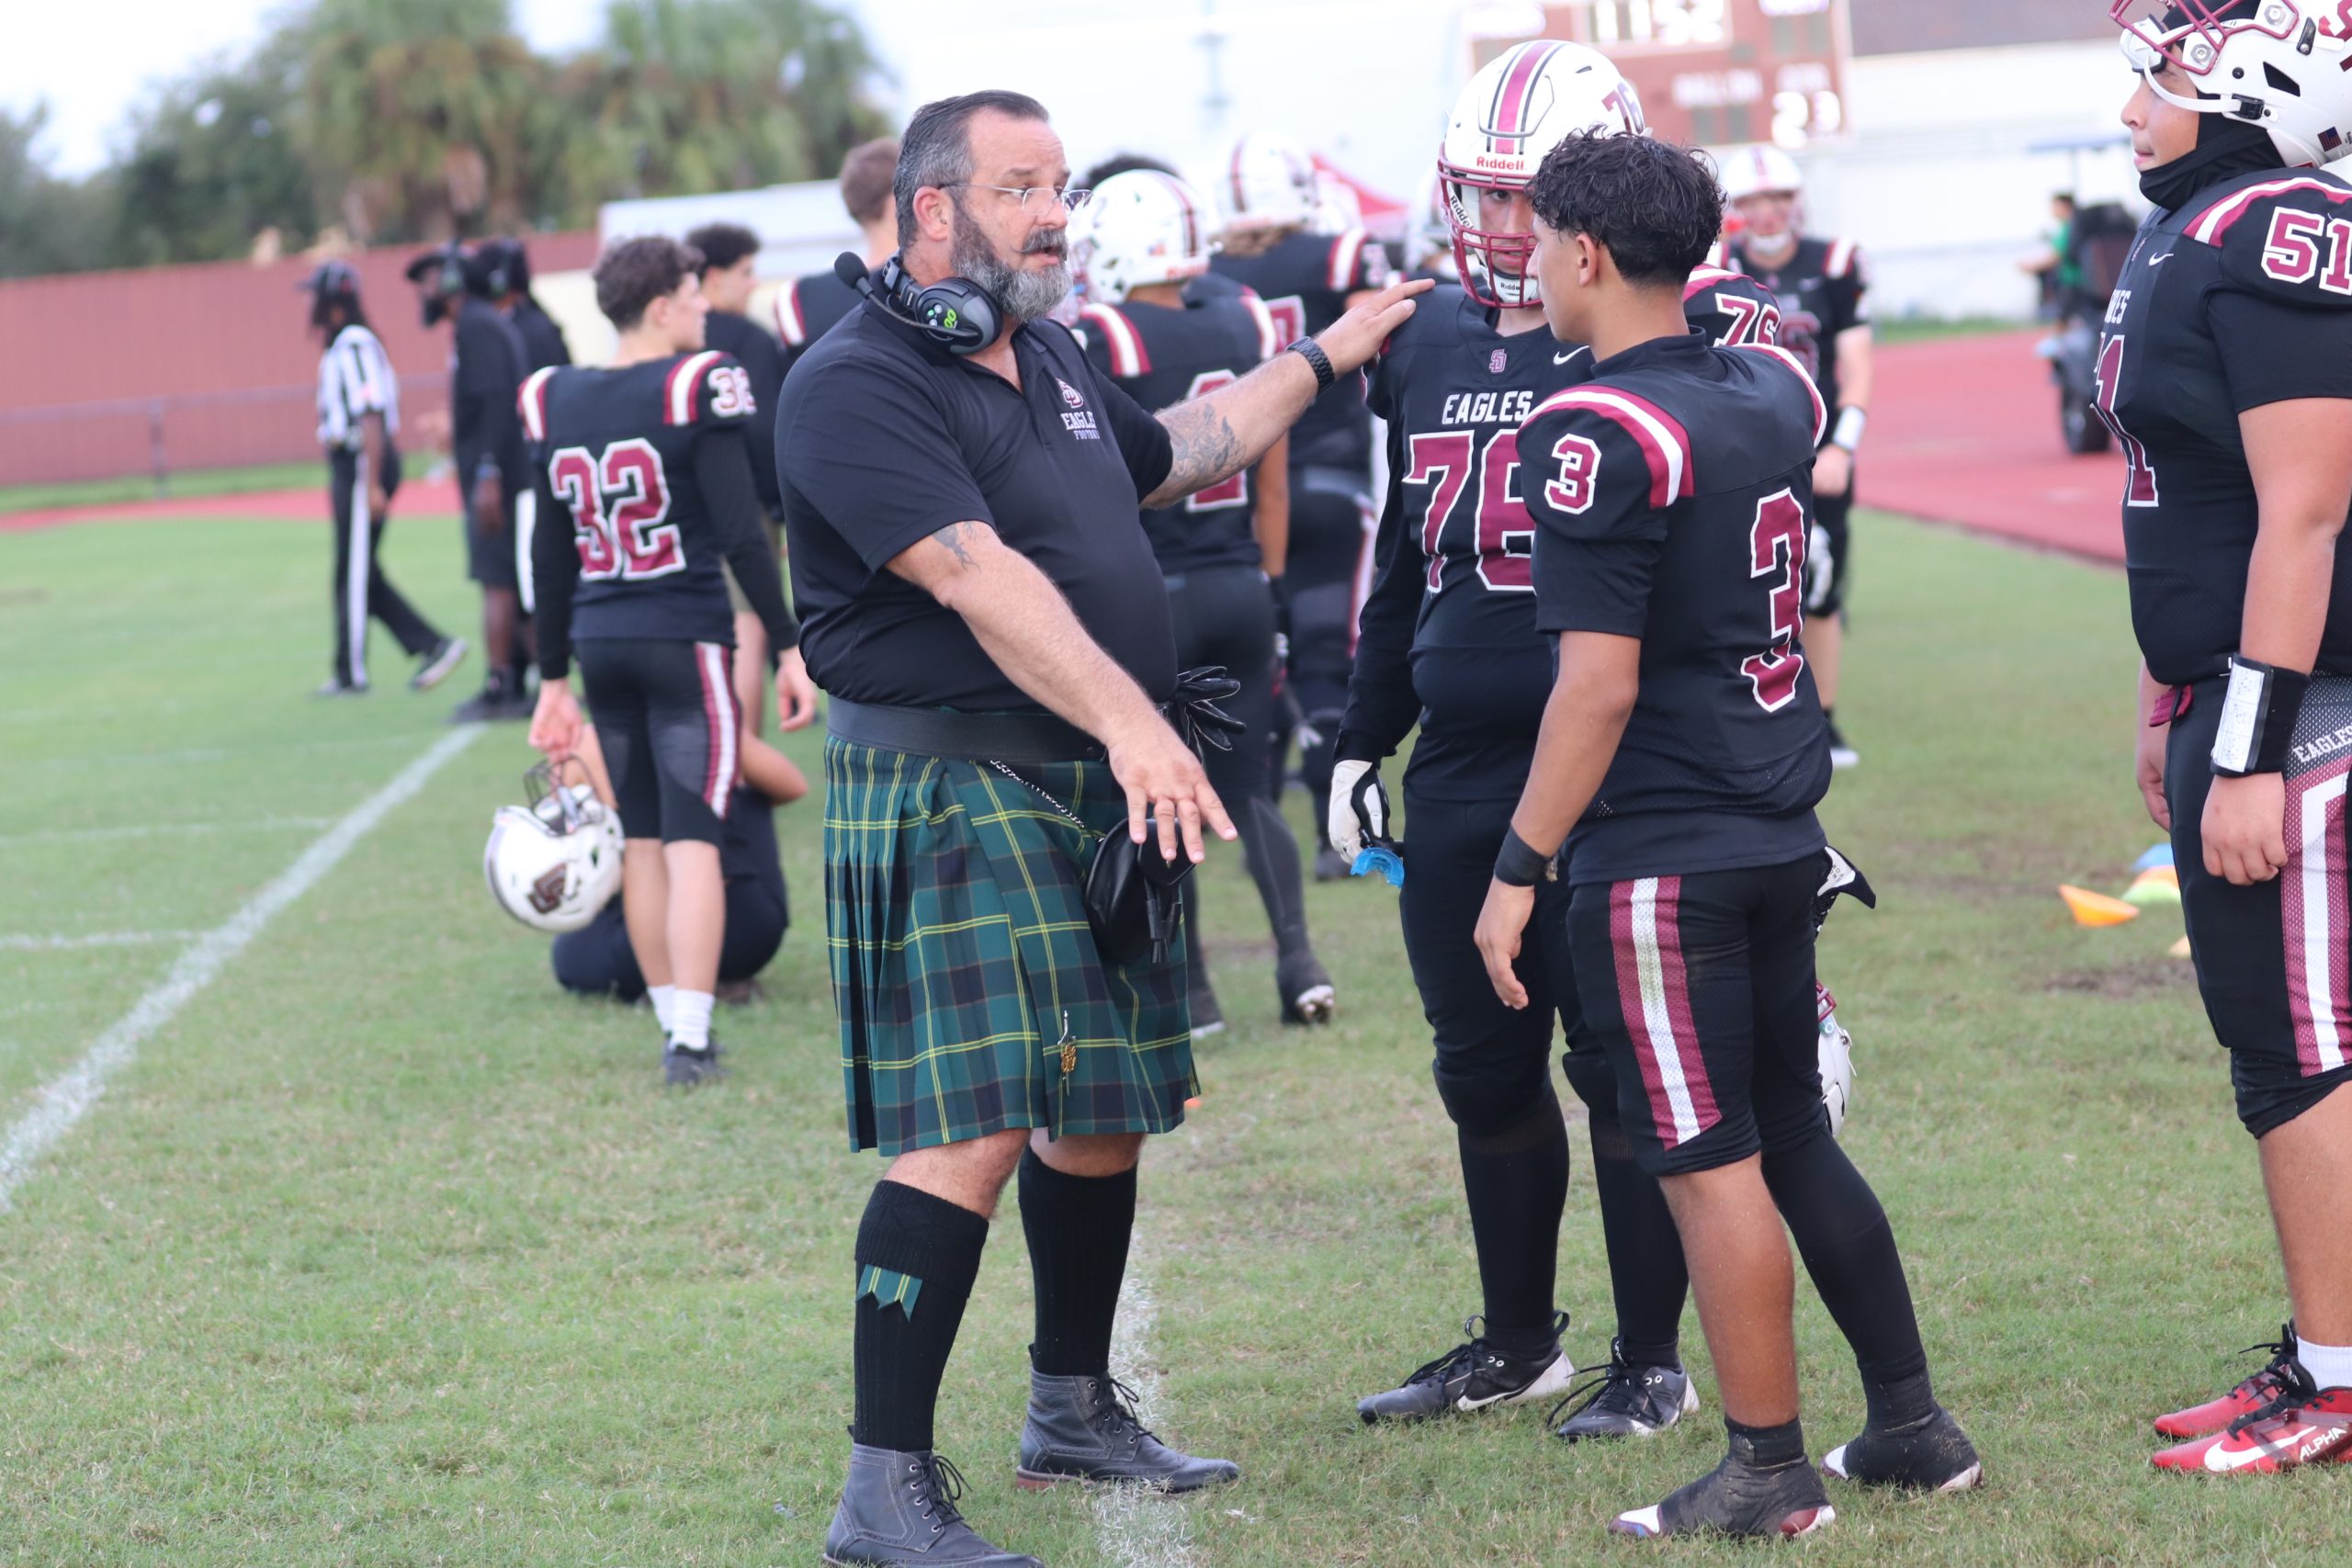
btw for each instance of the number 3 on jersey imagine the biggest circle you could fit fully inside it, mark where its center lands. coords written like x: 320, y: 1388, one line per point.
x: 1776, y: 545
x: 618, y: 507
x: 1503, y: 533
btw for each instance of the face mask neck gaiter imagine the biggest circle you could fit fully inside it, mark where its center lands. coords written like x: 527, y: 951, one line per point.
x: 2225, y: 149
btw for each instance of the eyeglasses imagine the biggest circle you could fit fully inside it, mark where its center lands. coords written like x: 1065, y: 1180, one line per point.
x: 1071, y: 198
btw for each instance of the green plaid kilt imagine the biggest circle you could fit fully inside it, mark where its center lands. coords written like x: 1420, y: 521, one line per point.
x: 971, y: 994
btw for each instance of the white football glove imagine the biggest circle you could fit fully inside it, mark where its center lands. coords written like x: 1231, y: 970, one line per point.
x: 1837, y: 1059
x: 1358, y: 807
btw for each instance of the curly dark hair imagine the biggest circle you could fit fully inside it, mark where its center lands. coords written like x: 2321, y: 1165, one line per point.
x: 723, y: 245
x: 632, y: 274
x: 1655, y: 208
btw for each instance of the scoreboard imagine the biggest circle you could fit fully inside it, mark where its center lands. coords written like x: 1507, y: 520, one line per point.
x: 1715, y: 73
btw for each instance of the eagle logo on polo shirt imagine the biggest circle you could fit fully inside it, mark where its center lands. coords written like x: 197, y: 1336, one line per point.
x: 1079, y: 421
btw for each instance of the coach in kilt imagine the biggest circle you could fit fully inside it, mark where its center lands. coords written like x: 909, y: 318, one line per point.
x: 962, y: 493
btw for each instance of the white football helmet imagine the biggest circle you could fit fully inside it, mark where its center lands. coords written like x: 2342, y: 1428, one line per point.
x: 2284, y: 66
x: 1337, y: 209
x: 1140, y: 228
x: 1526, y: 102
x: 1269, y: 182
x: 553, y: 863
x: 1754, y: 171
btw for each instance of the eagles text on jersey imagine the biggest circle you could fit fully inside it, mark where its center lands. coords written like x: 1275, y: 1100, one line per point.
x: 1448, y: 637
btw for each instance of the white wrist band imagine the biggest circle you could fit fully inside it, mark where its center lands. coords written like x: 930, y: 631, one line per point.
x: 1849, y: 433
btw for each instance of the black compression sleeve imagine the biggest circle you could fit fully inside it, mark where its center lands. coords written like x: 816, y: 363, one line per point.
x: 555, y: 574
x: 1381, y: 708
x: 723, y: 472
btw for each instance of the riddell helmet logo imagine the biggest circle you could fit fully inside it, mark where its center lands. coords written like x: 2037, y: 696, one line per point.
x: 546, y: 893
x: 1487, y: 161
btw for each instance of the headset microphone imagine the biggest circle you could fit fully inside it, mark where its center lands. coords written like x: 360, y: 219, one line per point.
x: 955, y: 313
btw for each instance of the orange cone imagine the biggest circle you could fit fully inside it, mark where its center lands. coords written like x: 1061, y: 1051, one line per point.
x: 2096, y: 909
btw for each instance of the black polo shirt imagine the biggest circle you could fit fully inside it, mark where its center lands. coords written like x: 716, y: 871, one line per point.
x: 884, y: 438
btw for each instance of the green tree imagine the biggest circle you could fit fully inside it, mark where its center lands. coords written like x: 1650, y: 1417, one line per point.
x: 688, y: 96
x: 214, y: 159
x: 420, y: 115
x: 46, y: 224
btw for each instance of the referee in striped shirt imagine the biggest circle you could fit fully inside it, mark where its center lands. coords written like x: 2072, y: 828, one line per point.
x: 359, y: 415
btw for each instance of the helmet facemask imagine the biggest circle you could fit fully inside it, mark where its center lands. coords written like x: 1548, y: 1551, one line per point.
x: 1498, y: 266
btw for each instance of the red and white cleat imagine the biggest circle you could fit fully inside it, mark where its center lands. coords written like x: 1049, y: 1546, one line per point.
x: 2204, y: 1420
x: 2302, y: 1426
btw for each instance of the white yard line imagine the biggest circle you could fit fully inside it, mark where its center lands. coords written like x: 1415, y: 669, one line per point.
x: 21, y: 942
x: 1139, y: 1529
x: 164, y: 829
x: 65, y: 1100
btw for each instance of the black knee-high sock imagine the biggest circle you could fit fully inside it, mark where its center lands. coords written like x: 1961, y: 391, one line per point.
x: 1848, y: 1250
x: 1078, y: 1228
x: 1648, y: 1280
x: 1517, y: 1182
x: 917, y: 1256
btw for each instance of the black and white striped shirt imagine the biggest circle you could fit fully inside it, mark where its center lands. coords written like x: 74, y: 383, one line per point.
x: 354, y: 380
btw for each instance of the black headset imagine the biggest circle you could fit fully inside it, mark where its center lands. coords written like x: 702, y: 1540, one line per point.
x: 955, y: 313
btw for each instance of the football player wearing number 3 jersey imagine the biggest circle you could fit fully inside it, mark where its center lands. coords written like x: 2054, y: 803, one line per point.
x: 2225, y: 368
x: 1683, y: 741
x: 647, y: 459
x: 1448, y: 640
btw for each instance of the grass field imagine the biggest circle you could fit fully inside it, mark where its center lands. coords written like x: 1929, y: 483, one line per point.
x: 142, y: 487
x: 381, y: 1252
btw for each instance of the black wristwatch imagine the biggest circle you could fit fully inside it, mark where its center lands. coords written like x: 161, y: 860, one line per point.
x: 1312, y: 352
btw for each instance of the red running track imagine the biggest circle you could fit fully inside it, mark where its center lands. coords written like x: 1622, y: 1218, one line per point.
x: 1965, y: 430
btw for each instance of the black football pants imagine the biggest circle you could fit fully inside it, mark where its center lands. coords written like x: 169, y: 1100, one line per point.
x: 1224, y: 615
x: 361, y: 589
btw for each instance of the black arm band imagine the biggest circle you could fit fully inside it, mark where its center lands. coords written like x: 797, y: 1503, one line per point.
x: 2258, y: 720
x: 1306, y: 348
x: 1519, y: 864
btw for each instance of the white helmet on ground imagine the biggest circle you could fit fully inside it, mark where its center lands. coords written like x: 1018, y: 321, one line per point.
x: 1760, y: 170
x: 1269, y: 182
x: 2283, y: 65
x: 553, y: 863
x: 1141, y: 228
x: 1527, y: 101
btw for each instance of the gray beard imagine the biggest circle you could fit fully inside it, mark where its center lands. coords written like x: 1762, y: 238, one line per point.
x: 1025, y: 295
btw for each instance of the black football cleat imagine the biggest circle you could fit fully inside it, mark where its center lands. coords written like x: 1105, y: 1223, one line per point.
x: 438, y: 662
x: 1627, y: 1401
x: 1473, y: 1377
x: 1201, y: 1003
x: 1304, y: 987
x: 684, y: 1068
x: 1330, y: 865
x: 1931, y: 1455
x: 1738, y: 1498
x: 1841, y: 750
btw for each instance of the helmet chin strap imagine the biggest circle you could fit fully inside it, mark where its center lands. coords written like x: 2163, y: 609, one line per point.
x: 2206, y: 104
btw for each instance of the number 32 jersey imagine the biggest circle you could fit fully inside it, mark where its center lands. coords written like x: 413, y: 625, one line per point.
x: 2241, y: 297
x: 616, y: 448
x: 1673, y: 497
x: 1448, y: 636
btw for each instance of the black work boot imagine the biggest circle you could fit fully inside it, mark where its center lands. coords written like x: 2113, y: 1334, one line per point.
x: 1084, y: 1428
x: 899, y: 1509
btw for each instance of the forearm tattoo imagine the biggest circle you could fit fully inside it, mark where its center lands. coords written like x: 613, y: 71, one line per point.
x: 1206, y: 447
x: 951, y: 538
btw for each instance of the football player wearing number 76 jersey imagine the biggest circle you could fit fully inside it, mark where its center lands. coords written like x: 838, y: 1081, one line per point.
x: 1682, y: 754
x: 646, y: 458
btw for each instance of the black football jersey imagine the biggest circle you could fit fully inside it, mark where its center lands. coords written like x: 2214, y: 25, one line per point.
x: 616, y: 448
x: 1161, y: 356
x: 1448, y: 636
x: 1672, y: 494
x: 1823, y: 289
x: 807, y: 309
x: 1305, y: 280
x: 2241, y: 297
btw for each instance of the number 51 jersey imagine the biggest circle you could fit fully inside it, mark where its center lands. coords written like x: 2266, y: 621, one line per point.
x: 2241, y: 297
x: 616, y: 448
x: 1673, y: 496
